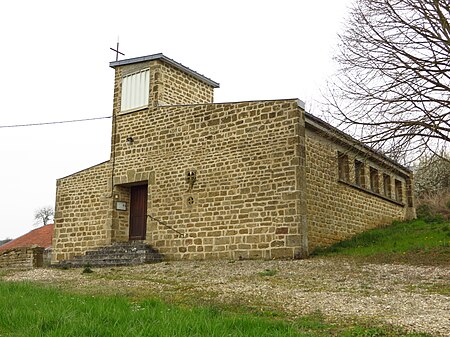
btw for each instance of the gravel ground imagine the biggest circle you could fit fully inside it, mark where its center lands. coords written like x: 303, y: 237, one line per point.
x: 414, y: 297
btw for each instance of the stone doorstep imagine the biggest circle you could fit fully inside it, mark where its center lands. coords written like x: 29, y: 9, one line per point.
x: 118, y: 254
x: 115, y: 251
x: 100, y: 264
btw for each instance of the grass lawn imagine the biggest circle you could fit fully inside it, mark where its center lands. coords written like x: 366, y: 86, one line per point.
x: 416, y: 242
x: 29, y: 310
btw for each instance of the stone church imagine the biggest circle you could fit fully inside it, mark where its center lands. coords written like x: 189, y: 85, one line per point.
x: 195, y: 179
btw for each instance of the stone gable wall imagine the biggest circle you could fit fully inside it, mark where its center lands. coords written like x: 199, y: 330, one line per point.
x: 248, y: 158
x: 83, y: 212
x: 337, y: 211
x: 22, y: 258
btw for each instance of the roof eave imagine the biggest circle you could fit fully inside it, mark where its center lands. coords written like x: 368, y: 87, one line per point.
x: 168, y: 60
x: 319, y: 124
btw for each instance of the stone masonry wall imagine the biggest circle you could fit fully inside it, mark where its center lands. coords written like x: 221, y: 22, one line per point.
x: 248, y: 157
x: 337, y: 210
x: 22, y: 258
x: 180, y: 88
x: 263, y: 188
x: 83, y: 212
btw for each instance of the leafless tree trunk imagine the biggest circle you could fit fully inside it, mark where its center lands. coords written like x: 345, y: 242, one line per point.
x: 392, y: 90
x: 43, y: 215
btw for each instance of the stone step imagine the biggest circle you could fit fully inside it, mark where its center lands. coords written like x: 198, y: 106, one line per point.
x: 116, y: 251
x: 105, y: 263
x: 118, y: 254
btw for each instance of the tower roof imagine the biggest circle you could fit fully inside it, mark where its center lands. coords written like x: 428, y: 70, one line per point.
x: 164, y: 58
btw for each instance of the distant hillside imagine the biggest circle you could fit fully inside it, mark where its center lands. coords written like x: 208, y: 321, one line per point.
x: 2, y: 242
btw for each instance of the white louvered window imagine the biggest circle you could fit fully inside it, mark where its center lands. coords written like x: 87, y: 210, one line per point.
x: 135, y: 90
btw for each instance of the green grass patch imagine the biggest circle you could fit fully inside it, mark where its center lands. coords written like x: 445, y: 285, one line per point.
x: 441, y: 289
x: 29, y: 310
x: 37, y: 311
x: 401, y: 240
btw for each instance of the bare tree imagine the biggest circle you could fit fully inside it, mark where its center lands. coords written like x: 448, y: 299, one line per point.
x: 392, y: 89
x: 43, y: 215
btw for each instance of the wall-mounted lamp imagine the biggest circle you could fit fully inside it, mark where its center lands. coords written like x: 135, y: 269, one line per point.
x: 130, y: 140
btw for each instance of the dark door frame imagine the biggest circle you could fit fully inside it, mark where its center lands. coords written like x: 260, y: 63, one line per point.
x: 138, y: 212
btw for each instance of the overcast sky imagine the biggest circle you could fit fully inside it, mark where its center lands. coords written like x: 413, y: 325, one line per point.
x: 55, y: 66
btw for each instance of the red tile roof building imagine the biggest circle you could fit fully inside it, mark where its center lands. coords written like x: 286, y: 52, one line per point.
x: 41, y: 237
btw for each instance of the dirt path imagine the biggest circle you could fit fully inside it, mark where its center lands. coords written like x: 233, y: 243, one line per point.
x: 414, y: 297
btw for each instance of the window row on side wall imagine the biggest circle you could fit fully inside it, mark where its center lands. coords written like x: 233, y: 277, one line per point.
x: 368, y: 178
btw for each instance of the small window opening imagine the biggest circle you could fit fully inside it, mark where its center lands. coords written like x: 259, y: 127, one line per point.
x: 409, y: 192
x: 398, y: 191
x: 360, y: 174
x: 344, y: 172
x: 374, y: 180
x: 387, y: 185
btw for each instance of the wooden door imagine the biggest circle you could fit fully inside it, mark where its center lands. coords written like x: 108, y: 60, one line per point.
x: 138, y: 212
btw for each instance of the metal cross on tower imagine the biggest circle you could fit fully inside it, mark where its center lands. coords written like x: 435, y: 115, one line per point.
x: 117, y: 51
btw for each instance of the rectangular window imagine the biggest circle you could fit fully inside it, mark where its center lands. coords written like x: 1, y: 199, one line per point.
x: 409, y: 192
x: 135, y: 90
x: 360, y: 177
x: 374, y: 180
x: 398, y: 191
x: 387, y: 185
x: 344, y: 172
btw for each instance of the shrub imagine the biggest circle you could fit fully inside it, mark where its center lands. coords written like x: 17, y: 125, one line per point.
x: 268, y: 272
x: 434, y: 206
x: 87, y: 269
x: 432, y: 187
